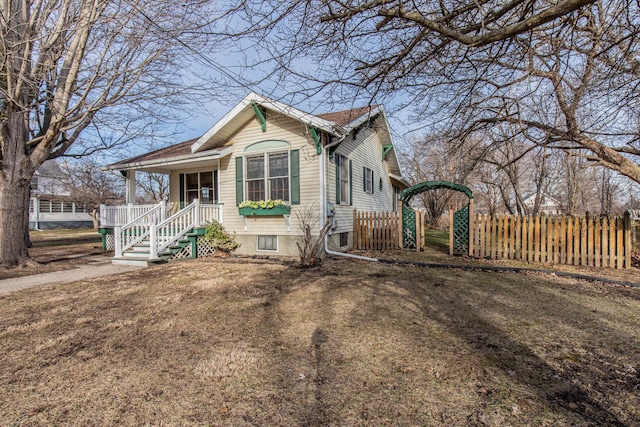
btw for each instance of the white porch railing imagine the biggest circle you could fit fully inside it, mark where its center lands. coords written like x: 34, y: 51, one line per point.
x: 112, y: 216
x: 138, y: 229
x: 160, y: 232
x: 173, y: 228
x: 210, y: 213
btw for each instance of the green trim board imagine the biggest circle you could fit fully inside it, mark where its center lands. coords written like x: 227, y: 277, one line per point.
x: 316, y: 139
x: 386, y: 149
x: 294, y: 174
x: 239, y: 180
x: 260, y: 114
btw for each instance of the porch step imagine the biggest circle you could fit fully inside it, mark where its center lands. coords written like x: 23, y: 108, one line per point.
x: 174, y: 249
x: 140, y: 262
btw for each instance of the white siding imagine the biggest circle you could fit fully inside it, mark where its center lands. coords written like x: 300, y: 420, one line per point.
x: 365, y: 151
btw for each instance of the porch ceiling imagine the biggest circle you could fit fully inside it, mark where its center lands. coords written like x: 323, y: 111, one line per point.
x: 167, y: 164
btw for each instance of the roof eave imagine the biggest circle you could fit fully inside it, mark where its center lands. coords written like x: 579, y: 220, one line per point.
x: 168, y: 161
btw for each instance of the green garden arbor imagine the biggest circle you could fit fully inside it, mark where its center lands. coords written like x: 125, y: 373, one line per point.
x: 460, y: 222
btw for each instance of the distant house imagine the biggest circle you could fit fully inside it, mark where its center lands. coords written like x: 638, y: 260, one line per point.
x: 260, y: 151
x: 51, y: 205
x: 547, y: 205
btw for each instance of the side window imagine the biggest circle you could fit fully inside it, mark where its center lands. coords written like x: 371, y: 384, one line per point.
x: 367, y: 180
x: 343, y: 180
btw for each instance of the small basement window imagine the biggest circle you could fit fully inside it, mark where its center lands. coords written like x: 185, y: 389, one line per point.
x: 344, y: 240
x: 268, y: 243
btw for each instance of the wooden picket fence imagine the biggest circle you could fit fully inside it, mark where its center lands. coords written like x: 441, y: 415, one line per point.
x: 377, y: 231
x: 586, y: 241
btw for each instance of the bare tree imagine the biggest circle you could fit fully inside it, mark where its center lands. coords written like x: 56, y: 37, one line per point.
x: 561, y: 74
x: 98, y: 68
x: 89, y: 186
x: 310, y: 245
x: 154, y: 186
x: 434, y: 159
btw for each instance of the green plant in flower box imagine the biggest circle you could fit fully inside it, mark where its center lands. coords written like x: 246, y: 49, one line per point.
x: 264, y: 208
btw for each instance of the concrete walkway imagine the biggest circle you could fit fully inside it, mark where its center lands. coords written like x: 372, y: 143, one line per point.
x: 98, y: 266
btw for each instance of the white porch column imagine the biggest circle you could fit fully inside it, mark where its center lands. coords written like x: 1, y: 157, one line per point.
x: 130, y: 179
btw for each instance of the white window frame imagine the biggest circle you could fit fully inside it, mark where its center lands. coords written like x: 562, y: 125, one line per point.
x: 266, y: 177
x: 267, y: 250
x: 343, y: 168
x: 368, y: 180
x: 214, y: 187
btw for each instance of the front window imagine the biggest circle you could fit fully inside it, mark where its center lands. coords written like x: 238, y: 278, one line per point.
x: 268, y: 176
x: 255, y: 178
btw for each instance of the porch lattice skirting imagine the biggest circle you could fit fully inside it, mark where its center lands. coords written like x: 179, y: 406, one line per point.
x: 204, y: 249
x: 110, y: 242
x: 184, y: 253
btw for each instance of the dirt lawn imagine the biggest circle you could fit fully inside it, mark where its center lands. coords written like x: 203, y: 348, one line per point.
x: 57, y: 250
x: 261, y: 343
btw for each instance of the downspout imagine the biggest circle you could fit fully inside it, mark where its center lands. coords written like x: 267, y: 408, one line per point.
x: 324, y: 201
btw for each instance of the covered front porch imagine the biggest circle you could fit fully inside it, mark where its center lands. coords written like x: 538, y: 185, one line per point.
x: 140, y: 233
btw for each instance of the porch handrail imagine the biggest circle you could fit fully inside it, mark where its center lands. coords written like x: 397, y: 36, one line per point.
x: 112, y: 216
x: 162, y: 235
x: 210, y: 212
x: 136, y: 230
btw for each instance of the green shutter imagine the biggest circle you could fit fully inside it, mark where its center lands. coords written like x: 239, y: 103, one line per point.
x: 350, y: 182
x: 294, y: 164
x: 364, y: 179
x: 373, y: 182
x: 239, y: 181
x: 337, y: 159
x: 181, y: 190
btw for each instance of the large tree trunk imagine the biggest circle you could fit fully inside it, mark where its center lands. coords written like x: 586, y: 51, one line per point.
x: 14, y: 220
x: 94, y: 217
x: 16, y: 171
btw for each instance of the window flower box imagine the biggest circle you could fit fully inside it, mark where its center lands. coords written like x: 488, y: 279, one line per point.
x: 264, y: 208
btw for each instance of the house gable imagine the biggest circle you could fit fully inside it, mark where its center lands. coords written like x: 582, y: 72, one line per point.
x: 245, y: 111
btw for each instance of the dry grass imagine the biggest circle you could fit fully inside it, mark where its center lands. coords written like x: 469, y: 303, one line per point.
x: 240, y: 343
x: 57, y: 250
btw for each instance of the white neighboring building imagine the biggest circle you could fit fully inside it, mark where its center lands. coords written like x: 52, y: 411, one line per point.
x: 548, y: 205
x: 51, y: 206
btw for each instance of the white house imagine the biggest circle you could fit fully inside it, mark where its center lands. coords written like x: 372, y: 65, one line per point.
x: 262, y: 150
x: 51, y: 205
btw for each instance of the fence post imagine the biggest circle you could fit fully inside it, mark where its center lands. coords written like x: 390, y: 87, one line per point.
x: 356, y: 229
x: 451, y: 229
x: 471, y: 227
x: 627, y: 240
x: 400, y: 208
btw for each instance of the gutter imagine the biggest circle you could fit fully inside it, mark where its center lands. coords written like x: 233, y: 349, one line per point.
x: 170, y: 161
x: 324, y: 202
